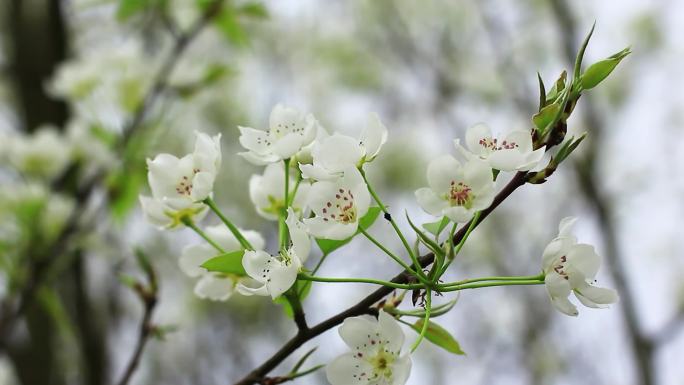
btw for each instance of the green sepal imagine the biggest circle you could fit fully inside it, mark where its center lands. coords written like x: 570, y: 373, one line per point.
x: 228, y: 263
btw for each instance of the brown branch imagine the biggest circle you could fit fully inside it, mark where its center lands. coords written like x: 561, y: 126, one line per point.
x: 148, y: 296
x: 365, y: 306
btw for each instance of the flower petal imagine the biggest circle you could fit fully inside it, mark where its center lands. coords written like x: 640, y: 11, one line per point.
x: 401, y: 369
x: 584, y: 259
x: 506, y: 159
x: 373, y: 137
x: 458, y: 214
x: 391, y: 332
x: 337, y: 153
x: 214, y: 287
x: 254, y: 140
x: 473, y: 136
x: 442, y: 171
x: 301, y: 243
x: 193, y: 256
x: 347, y: 370
x: 430, y: 202
x: 355, y: 332
x: 598, y: 295
x: 330, y: 229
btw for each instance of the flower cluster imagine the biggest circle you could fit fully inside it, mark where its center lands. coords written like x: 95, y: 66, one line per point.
x: 314, y: 185
x: 458, y: 189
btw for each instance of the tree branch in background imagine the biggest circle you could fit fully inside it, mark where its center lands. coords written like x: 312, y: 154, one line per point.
x: 37, y: 273
x: 148, y: 296
x: 586, y: 171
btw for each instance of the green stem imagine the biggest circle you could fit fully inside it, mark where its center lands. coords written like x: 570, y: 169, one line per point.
x: 307, y: 277
x: 478, y: 285
x: 388, y: 216
x: 459, y: 246
x: 426, y: 322
x: 189, y: 223
x: 291, y: 377
x: 320, y: 263
x: 236, y: 232
x: 392, y: 255
x: 282, y: 228
x: 484, y: 279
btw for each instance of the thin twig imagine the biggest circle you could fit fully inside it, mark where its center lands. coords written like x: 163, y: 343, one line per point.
x: 148, y: 296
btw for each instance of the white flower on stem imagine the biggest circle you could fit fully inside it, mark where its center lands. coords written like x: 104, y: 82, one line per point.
x: 166, y: 217
x: 570, y: 267
x: 179, y: 183
x: 456, y: 191
x: 289, y: 131
x: 514, y: 153
x: 274, y: 275
x: 267, y: 192
x: 338, y: 205
x: 375, y: 357
x: 336, y: 153
x: 211, y: 285
x: 44, y: 154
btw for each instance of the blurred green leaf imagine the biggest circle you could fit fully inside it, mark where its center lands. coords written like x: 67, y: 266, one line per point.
x: 254, y: 9
x: 327, y: 246
x: 229, y: 263
x: 227, y: 22
x: 439, y: 336
x: 600, y: 70
x: 128, y: 8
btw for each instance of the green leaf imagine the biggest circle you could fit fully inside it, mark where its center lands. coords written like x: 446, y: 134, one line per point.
x: 557, y: 88
x: 128, y: 8
x: 426, y: 240
x: 254, y: 9
x: 327, y: 246
x: 227, y: 23
x: 546, y: 116
x: 435, y: 228
x: 580, y: 54
x: 439, y: 336
x: 229, y: 263
x: 542, y: 92
x: 600, y: 70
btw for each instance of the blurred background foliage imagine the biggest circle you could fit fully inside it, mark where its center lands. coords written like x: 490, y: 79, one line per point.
x: 76, y: 74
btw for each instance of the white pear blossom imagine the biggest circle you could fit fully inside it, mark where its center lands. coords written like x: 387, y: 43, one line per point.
x: 166, y: 217
x: 335, y: 153
x: 375, y: 357
x: 338, y: 205
x: 514, y: 153
x: 456, y: 190
x: 267, y: 191
x: 105, y: 83
x: 211, y: 285
x: 289, y: 131
x: 275, y: 275
x: 178, y: 183
x: 570, y: 267
x: 44, y: 154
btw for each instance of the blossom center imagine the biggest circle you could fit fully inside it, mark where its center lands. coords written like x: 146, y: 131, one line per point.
x: 184, y: 187
x: 380, y: 360
x: 284, y: 128
x: 559, y: 267
x: 460, y: 194
x: 492, y: 144
x: 342, y: 209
